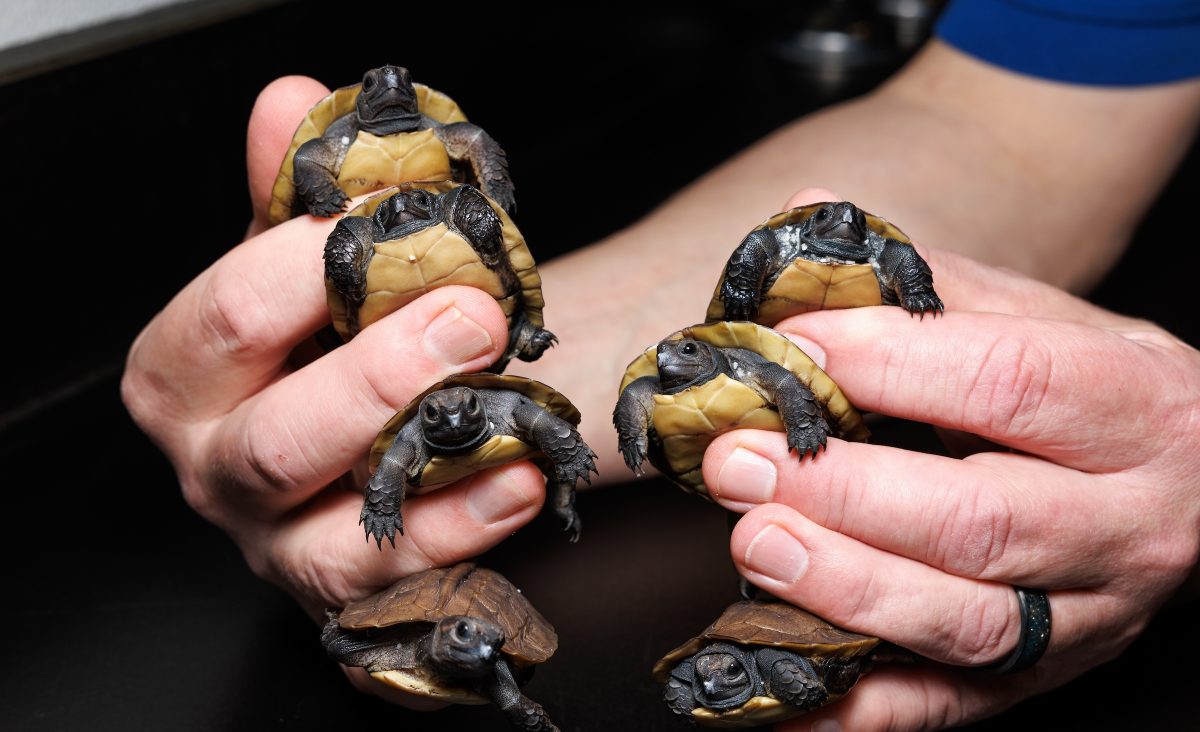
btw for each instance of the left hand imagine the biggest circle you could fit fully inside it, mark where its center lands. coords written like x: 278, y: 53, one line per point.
x: 1097, y: 502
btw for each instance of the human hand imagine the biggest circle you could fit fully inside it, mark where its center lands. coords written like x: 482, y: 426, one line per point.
x: 1097, y: 503
x: 258, y: 440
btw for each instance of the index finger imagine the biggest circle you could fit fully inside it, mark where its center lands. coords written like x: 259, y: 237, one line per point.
x: 1042, y: 386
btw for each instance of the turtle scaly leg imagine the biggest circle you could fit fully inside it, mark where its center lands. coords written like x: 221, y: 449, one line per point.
x: 523, y: 712
x: 527, y: 341
x: 384, y: 493
x: 790, y: 678
x: 906, y: 280
x: 316, y: 167
x: 677, y: 692
x: 348, y: 253
x: 741, y: 287
x: 469, y: 143
x: 802, y: 415
x: 632, y: 420
x: 572, y: 459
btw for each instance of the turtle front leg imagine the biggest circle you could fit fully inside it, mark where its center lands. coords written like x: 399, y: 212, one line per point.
x: 384, y: 493
x: 522, y: 712
x: 906, y: 280
x: 741, y: 288
x: 632, y: 420
x: 317, y: 164
x: 677, y: 692
x: 802, y: 415
x: 348, y: 252
x: 790, y: 678
x: 572, y: 459
x: 468, y: 143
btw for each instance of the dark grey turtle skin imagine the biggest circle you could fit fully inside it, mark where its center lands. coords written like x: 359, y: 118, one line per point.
x: 688, y: 362
x: 387, y: 105
x: 458, y: 420
x: 350, y: 247
x: 836, y: 232
x: 725, y: 676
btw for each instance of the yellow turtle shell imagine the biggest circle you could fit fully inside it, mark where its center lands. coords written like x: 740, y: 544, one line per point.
x: 756, y: 623
x: 806, y: 285
x: 499, y: 450
x: 404, y: 269
x: 464, y: 589
x: 687, y: 422
x: 372, y: 162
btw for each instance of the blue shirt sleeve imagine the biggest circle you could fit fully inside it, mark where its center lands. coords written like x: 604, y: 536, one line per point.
x: 1103, y: 42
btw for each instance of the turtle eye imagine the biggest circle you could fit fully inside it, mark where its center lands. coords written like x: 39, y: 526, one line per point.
x: 431, y: 413
x: 472, y: 404
x: 688, y: 349
x: 731, y: 667
x: 368, y: 82
x: 822, y: 214
x: 462, y: 630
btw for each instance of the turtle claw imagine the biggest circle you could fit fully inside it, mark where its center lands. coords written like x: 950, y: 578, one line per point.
x: 739, y: 304
x: 925, y: 303
x: 330, y: 206
x: 634, y: 454
x: 379, y: 525
x: 809, y: 440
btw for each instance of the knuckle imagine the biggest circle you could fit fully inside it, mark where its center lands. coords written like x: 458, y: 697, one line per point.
x: 236, y: 320
x: 315, y: 570
x: 981, y: 628
x: 974, y: 537
x: 269, y: 464
x: 1010, y: 387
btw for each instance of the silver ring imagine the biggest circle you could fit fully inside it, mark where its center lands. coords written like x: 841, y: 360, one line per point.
x: 1035, y: 632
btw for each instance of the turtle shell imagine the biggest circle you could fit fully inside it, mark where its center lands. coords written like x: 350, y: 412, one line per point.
x: 464, y: 589
x: 687, y: 422
x: 755, y: 623
x: 499, y: 450
x: 372, y: 162
x: 806, y: 285
x: 404, y: 269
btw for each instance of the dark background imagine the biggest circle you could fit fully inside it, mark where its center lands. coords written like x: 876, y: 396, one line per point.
x: 126, y: 178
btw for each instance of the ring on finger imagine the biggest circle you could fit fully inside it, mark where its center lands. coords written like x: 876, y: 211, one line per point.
x: 1035, y: 632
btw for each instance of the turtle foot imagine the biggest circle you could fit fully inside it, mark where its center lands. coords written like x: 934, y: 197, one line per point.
x: 924, y: 303
x: 739, y: 304
x: 808, y: 440
x: 330, y: 205
x: 533, y: 346
x: 379, y: 525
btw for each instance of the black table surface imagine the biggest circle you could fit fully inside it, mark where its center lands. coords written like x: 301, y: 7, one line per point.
x: 123, y: 610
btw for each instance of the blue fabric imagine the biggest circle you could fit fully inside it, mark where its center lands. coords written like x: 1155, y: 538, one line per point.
x: 1105, y: 42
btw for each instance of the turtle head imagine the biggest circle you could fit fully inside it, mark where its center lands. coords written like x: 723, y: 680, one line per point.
x: 465, y: 646
x: 687, y: 362
x: 406, y: 207
x: 840, y: 220
x: 387, y: 103
x: 724, y: 677
x: 454, y: 419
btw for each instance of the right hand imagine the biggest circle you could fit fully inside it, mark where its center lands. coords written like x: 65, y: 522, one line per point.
x: 260, y: 441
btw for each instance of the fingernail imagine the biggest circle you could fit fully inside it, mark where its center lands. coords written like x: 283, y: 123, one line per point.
x: 456, y: 339
x: 827, y: 725
x: 777, y: 554
x: 746, y: 478
x: 496, y: 498
x: 811, y: 349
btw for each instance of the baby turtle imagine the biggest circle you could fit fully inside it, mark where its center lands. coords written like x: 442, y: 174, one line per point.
x: 703, y: 381
x: 461, y: 634
x: 384, y: 131
x: 468, y: 423
x: 761, y: 663
x: 417, y: 237
x: 820, y: 257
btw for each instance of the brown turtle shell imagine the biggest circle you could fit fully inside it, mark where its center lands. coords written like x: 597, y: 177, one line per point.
x: 372, y: 162
x: 464, y: 589
x: 404, y: 269
x: 687, y: 422
x: 755, y: 623
x: 805, y: 285
x: 499, y: 450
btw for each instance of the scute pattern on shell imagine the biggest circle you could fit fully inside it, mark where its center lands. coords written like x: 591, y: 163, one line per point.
x: 463, y: 589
